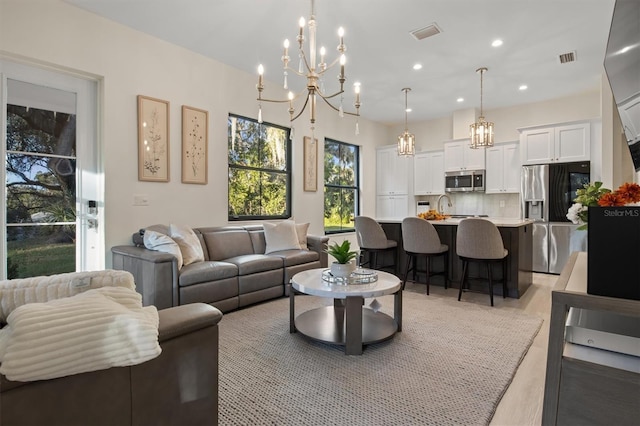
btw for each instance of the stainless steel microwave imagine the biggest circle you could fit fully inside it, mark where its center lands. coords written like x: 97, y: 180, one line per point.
x: 464, y: 181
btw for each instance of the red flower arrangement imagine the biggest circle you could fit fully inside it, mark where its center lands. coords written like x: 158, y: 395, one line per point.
x: 626, y: 194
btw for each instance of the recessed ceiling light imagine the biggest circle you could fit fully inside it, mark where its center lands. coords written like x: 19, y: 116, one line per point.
x: 460, y: 100
x: 523, y: 87
x: 496, y: 43
x: 417, y: 67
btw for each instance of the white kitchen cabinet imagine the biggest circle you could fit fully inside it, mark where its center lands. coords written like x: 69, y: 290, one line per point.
x: 503, y: 169
x: 393, y: 172
x: 428, y: 173
x: 458, y: 156
x: 556, y: 144
x: 392, y: 206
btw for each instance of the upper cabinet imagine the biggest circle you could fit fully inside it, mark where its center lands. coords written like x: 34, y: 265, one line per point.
x: 393, y: 172
x: 503, y: 169
x: 556, y: 144
x: 458, y: 156
x: 428, y: 173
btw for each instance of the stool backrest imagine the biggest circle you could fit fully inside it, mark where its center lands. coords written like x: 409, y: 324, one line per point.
x: 419, y: 236
x: 479, y: 239
x: 369, y: 233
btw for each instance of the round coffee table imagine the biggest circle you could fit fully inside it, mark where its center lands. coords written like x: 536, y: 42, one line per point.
x: 347, y: 322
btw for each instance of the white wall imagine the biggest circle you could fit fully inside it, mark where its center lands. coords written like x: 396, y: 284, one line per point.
x: 128, y: 63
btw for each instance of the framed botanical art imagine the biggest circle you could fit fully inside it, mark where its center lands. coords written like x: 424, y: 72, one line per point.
x: 310, y: 164
x: 153, y: 139
x: 195, y: 137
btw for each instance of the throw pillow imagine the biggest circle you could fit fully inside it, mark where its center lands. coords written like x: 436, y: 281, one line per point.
x: 156, y: 241
x: 280, y: 236
x: 301, y: 230
x: 189, y: 243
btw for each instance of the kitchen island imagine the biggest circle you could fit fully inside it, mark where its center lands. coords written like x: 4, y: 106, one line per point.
x: 516, y: 236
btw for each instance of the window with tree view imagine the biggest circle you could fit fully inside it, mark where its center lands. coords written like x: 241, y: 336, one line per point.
x: 259, y: 170
x: 341, y: 186
x: 40, y: 192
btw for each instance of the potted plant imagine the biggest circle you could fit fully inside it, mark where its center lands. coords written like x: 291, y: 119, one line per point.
x: 342, y: 253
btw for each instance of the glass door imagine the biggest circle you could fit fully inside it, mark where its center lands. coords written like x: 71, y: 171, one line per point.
x: 51, y: 186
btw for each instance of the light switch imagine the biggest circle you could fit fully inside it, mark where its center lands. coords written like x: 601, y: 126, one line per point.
x: 140, y: 200
x: 501, y: 203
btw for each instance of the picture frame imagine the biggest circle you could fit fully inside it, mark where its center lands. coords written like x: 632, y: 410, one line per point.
x: 310, y: 164
x: 153, y: 139
x: 195, y: 140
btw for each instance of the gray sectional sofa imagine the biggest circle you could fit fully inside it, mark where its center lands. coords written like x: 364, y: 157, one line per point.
x: 235, y: 271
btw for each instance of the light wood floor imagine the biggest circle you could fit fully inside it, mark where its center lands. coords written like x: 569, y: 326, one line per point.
x: 521, y: 404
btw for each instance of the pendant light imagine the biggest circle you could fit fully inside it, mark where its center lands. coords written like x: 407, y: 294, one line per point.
x: 406, y: 141
x: 481, y: 131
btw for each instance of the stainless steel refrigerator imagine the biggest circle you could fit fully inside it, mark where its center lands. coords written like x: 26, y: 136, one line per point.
x: 548, y: 191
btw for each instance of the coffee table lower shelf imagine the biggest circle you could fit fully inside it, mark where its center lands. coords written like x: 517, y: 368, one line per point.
x: 328, y: 325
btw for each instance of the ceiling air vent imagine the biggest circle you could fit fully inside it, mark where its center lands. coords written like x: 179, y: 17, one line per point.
x: 568, y: 57
x: 428, y: 31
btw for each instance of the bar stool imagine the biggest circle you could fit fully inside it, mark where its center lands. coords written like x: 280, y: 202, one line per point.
x: 478, y: 240
x: 420, y: 239
x: 372, y: 240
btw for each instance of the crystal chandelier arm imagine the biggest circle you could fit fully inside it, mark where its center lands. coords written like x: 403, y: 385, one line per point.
x: 355, y: 114
x: 281, y: 101
x: 306, y: 101
x: 328, y: 67
x: 325, y: 97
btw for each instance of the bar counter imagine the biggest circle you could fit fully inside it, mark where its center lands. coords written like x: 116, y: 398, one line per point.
x: 516, y: 236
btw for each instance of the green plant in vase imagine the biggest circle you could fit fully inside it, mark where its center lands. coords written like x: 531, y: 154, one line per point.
x: 342, y: 253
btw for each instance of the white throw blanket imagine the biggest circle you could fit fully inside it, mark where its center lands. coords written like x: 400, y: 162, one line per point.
x: 17, y: 292
x: 94, y: 330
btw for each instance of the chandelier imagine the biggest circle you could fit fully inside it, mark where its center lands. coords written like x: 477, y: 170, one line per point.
x: 406, y: 141
x: 482, y: 130
x: 314, y: 71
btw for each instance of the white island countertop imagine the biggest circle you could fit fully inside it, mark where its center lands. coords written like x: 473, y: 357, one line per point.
x: 504, y: 222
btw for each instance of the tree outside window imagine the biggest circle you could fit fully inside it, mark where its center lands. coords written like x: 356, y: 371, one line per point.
x: 341, y: 186
x: 259, y: 170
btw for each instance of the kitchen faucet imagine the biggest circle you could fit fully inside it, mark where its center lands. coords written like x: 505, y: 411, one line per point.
x: 440, y: 199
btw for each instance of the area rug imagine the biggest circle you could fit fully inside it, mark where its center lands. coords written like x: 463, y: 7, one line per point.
x: 450, y: 365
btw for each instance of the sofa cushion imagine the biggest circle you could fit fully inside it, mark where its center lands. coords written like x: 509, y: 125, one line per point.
x: 280, y: 236
x: 189, y: 243
x: 160, y: 242
x: 296, y: 257
x: 223, y: 243
x: 201, y: 272
x: 254, y: 263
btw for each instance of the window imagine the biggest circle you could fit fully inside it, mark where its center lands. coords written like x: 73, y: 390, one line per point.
x: 259, y: 170
x: 340, y: 186
x: 52, y: 173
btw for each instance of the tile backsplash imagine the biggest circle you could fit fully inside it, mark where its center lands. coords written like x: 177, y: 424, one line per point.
x: 493, y: 205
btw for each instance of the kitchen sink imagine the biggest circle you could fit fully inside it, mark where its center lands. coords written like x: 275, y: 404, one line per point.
x: 463, y: 216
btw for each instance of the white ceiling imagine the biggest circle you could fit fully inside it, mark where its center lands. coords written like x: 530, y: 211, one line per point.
x: 381, y: 52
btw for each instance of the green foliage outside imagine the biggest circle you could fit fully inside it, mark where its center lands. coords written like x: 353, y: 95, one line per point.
x: 40, y: 190
x: 340, y: 186
x: 258, y: 169
x: 34, y: 257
